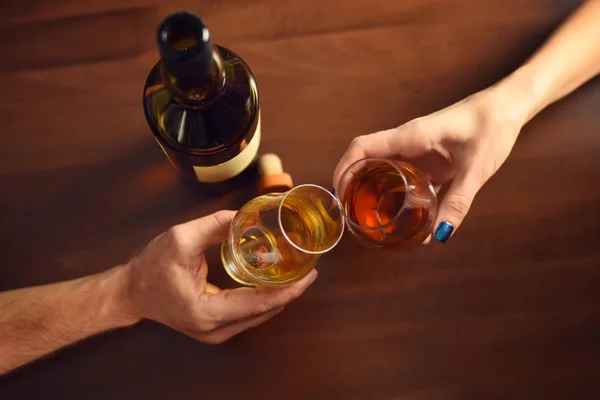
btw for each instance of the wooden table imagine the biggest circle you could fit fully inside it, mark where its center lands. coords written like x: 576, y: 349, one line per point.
x: 508, y: 309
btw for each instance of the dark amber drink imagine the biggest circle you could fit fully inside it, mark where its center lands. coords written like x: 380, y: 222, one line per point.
x: 388, y: 204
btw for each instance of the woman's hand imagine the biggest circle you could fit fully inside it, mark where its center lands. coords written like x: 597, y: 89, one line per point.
x: 462, y: 145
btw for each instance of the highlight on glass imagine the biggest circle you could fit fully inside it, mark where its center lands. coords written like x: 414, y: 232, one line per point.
x: 388, y: 204
x: 276, y: 239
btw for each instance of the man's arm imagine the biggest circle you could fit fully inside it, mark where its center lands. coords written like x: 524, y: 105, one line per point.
x: 568, y: 59
x: 37, y: 321
x: 166, y: 283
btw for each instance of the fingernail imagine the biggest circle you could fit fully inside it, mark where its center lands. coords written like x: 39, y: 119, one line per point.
x: 443, y: 231
x: 333, y: 192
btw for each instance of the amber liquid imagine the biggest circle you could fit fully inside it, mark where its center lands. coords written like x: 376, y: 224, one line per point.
x: 263, y: 249
x: 385, y: 213
x: 259, y: 244
x: 272, y: 249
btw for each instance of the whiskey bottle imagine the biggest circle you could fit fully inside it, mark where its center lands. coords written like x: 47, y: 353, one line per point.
x: 201, y: 103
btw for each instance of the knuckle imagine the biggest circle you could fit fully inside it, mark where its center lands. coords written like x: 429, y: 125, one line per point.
x: 175, y: 234
x: 459, y: 205
x: 416, y: 133
x: 204, y: 326
x: 262, y: 309
x: 357, y: 141
x: 429, y: 145
x: 221, y: 219
x: 214, y: 339
x: 418, y: 126
x: 415, y: 126
x: 221, y: 215
x: 210, y: 325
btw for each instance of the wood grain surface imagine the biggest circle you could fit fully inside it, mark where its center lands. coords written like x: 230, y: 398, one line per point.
x: 507, y: 309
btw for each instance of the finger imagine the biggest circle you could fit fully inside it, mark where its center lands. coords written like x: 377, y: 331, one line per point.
x: 427, y: 240
x: 455, y: 206
x: 413, y: 139
x: 227, y: 332
x: 212, y: 289
x: 435, y: 166
x: 201, y: 233
x: 231, y: 305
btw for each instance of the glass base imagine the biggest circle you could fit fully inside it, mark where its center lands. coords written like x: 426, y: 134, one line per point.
x: 231, y: 267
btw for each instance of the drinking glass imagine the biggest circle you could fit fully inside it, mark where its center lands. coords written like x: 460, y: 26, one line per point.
x: 276, y: 239
x: 388, y: 204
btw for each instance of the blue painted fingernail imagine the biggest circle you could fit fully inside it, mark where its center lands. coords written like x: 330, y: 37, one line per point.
x: 333, y: 192
x: 443, y: 231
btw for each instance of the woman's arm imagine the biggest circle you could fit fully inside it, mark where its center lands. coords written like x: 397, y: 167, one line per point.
x: 465, y: 143
x: 568, y: 59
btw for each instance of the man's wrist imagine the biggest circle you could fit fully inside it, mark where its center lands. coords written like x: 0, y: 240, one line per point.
x: 117, y: 307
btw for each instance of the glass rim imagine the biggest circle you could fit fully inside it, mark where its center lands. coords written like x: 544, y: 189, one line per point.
x: 339, y: 206
x: 393, y: 220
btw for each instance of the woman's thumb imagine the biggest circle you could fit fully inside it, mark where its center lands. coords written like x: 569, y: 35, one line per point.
x: 454, y: 206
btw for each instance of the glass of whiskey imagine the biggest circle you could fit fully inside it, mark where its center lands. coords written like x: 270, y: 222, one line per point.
x: 276, y: 239
x: 388, y: 204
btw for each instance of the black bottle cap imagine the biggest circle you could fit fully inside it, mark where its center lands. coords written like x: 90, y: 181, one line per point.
x: 185, y: 46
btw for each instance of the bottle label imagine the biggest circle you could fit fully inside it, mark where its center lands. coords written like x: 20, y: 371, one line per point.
x: 233, y: 167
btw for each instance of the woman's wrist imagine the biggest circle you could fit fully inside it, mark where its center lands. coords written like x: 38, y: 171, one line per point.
x: 514, y: 99
x: 527, y: 90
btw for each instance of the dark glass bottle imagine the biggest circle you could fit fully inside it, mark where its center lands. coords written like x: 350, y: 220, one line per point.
x: 201, y: 102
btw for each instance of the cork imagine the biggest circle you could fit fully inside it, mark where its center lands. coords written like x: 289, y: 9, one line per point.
x: 272, y: 177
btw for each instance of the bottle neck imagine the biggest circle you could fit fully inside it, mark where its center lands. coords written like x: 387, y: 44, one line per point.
x: 194, y: 83
x: 191, y: 67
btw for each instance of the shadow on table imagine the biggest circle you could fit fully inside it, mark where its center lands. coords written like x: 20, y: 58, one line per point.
x: 89, y: 218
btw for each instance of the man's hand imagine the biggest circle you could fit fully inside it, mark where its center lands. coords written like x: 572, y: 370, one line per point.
x: 167, y: 283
